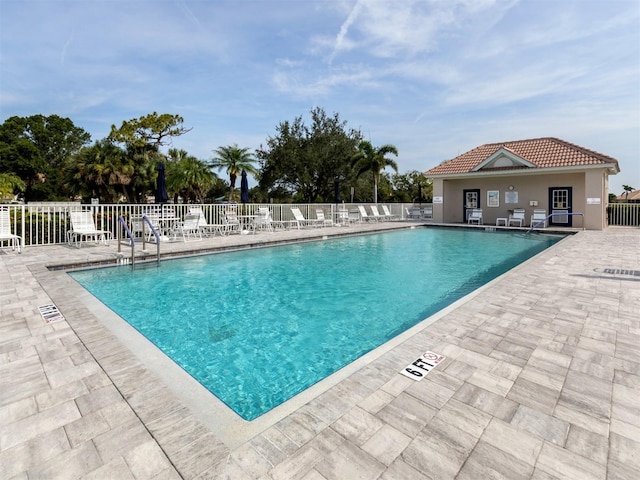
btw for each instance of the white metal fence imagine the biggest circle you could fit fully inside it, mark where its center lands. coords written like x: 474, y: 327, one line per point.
x: 624, y: 214
x: 47, y: 223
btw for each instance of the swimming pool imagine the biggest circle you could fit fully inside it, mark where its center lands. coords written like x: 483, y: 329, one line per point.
x: 257, y: 327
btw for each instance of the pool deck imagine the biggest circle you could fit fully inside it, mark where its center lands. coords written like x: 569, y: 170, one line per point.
x: 541, y: 381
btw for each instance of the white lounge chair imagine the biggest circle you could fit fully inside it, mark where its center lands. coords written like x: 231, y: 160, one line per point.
x: 206, y: 228
x: 364, y: 216
x: 375, y: 213
x: 322, y: 219
x: 83, y: 227
x: 387, y: 213
x: 517, y: 217
x: 5, y: 231
x: 539, y: 218
x: 188, y: 228
x: 302, y: 222
x: 475, y: 216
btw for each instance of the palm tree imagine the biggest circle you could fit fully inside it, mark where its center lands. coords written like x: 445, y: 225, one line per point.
x: 101, y: 170
x: 9, y: 183
x: 192, y: 178
x: 234, y: 159
x: 374, y: 160
x: 627, y: 189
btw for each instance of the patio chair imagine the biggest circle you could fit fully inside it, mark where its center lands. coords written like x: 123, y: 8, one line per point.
x: 475, y: 216
x: 5, y: 231
x: 427, y: 213
x: 138, y: 225
x: 300, y: 221
x: 413, y: 214
x: 322, y: 219
x: 83, y: 227
x: 375, y: 213
x: 517, y: 217
x: 206, y: 228
x: 364, y: 217
x: 342, y: 216
x: 354, y: 216
x: 231, y: 220
x: 539, y: 218
x: 387, y: 213
x: 262, y: 221
x: 188, y: 228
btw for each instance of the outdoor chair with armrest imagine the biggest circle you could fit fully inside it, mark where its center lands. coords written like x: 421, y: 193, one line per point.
x: 206, y: 228
x: 231, y: 221
x: 302, y: 222
x: 517, y: 217
x: 5, y: 231
x: 387, y: 213
x: 376, y: 214
x: 364, y: 216
x: 324, y: 221
x: 475, y: 216
x: 188, y: 228
x: 539, y: 218
x: 83, y: 227
x: 262, y: 221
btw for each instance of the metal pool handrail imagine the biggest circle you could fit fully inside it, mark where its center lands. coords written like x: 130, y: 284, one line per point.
x: 542, y: 222
x: 146, y: 220
x: 132, y: 240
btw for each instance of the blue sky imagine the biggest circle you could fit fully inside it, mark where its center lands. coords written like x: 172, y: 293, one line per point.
x: 433, y: 77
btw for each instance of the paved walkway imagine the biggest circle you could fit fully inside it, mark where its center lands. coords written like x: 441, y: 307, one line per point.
x: 541, y: 381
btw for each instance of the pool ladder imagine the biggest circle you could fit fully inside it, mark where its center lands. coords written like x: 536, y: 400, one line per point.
x: 122, y: 260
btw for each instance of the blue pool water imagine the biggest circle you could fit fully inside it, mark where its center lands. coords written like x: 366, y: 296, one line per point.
x: 257, y: 327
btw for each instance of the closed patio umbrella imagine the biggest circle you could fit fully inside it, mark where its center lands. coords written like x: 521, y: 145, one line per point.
x: 244, y: 188
x: 161, y: 186
x: 336, y: 190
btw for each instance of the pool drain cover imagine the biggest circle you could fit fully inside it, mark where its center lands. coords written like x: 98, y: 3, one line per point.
x: 50, y: 313
x: 618, y: 271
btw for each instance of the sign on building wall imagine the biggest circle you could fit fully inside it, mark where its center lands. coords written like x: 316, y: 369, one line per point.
x: 510, y: 197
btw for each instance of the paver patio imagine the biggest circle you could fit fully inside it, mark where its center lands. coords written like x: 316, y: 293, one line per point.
x: 541, y: 381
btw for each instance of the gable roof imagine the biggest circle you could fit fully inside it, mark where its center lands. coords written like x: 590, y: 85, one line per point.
x: 537, y: 153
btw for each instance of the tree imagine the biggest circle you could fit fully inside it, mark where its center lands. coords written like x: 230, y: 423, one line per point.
x: 305, y: 160
x: 143, y: 138
x: 627, y: 189
x: 9, y: 184
x: 187, y: 176
x: 370, y: 159
x: 35, y: 148
x: 102, y: 170
x: 412, y: 186
x: 150, y: 130
x: 233, y: 160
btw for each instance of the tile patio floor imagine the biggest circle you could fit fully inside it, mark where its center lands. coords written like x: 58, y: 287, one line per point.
x: 541, y: 381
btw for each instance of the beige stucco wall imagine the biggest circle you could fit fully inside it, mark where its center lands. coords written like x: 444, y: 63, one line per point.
x: 530, y: 188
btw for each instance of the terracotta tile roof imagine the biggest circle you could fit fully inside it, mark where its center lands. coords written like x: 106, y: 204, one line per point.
x: 634, y: 195
x: 542, y: 152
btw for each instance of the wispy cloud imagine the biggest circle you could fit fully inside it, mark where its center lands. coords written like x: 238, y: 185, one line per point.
x: 432, y: 77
